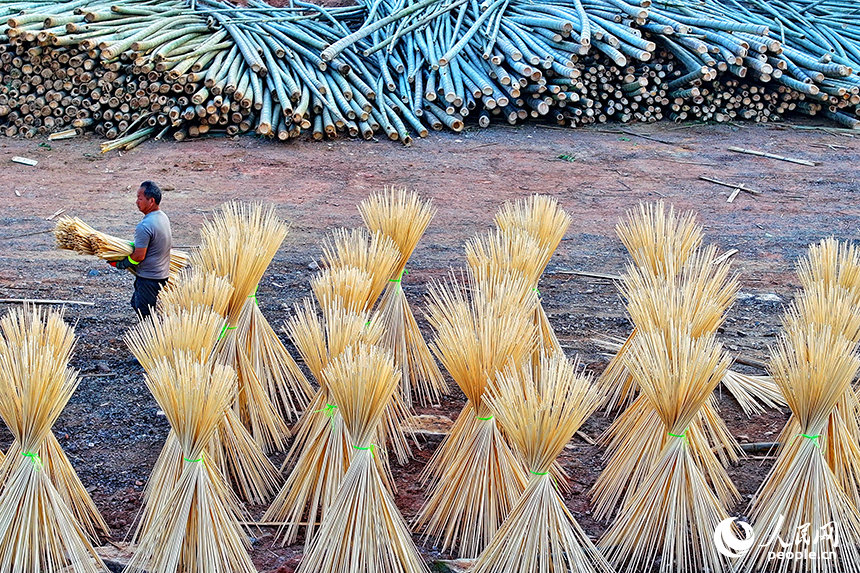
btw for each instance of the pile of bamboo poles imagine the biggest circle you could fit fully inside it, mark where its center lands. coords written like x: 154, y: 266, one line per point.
x: 131, y: 70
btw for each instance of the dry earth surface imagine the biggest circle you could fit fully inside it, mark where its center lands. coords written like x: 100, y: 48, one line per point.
x: 112, y: 429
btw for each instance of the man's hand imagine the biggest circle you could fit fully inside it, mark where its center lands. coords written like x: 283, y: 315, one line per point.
x: 122, y: 263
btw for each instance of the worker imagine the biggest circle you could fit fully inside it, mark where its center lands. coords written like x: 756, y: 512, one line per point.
x: 151, y: 257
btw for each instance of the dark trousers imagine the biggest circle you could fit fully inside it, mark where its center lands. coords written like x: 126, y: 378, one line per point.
x: 145, y: 295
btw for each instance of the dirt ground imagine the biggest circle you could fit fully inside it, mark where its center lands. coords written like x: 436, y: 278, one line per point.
x: 112, y: 430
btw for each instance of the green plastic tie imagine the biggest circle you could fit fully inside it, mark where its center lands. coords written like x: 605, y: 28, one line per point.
x: 681, y: 435
x: 329, y: 410
x: 371, y: 447
x: 400, y: 278
x: 813, y: 438
x: 200, y: 459
x: 34, y: 457
x: 224, y: 331
x: 254, y: 295
x: 537, y: 291
x: 484, y: 419
x: 540, y: 473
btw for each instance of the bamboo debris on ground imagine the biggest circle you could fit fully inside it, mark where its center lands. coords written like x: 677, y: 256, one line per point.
x: 321, y: 452
x: 814, y: 365
x: 39, y: 531
x: 238, y: 245
x: 74, y: 235
x: 198, y: 527
x: 377, y: 255
x: 539, y: 412
x: 543, y: 219
x: 476, y: 476
x: 673, y: 512
x: 363, y: 530
x: 404, y: 217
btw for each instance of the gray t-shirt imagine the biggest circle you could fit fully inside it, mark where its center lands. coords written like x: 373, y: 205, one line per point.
x: 153, y: 234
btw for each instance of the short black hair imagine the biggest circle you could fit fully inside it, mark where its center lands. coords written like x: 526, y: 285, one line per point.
x: 151, y: 191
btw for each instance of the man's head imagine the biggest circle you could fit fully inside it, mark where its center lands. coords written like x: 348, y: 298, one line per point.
x: 148, y: 197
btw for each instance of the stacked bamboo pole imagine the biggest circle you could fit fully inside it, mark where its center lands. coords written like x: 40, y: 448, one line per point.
x: 133, y: 70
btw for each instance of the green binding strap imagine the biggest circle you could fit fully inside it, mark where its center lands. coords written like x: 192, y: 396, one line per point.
x: 34, y: 457
x: 484, y: 419
x: 224, y: 331
x: 371, y: 447
x: 200, y: 459
x: 681, y: 435
x: 254, y: 295
x: 539, y: 473
x: 329, y: 411
x: 813, y: 438
x: 400, y: 278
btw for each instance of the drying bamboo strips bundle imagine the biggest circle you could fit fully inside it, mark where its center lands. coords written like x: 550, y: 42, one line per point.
x: 344, y: 252
x: 232, y: 449
x: 542, y: 218
x: 673, y: 511
x: 830, y: 275
x: 344, y: 286
x: 38, y: 530
x: 57, y: 341
x: 374, y: 253
x: 539, y: 414
x: 74, y: 235
x: 478, y: 476
x: 197, y: 529
x: 238, y: 245
x: 363, y: 530
x: 801, y: 501
x: 321, y: 450
x: 660, y: 242
x: 196, y: 289
x: 403, y: 217
x: 697, y: 296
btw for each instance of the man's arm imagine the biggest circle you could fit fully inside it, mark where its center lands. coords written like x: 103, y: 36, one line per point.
x: 138, y: 255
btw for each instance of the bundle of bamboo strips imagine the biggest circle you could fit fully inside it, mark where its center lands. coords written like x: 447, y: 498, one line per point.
x: 363, y: 530
x: 404, y: 217
x: 321, y: 450
x: 673, y: 511
x: 801, y: 500
x: 238, y: 245
x: 542, y: 218
x: 539, y: 412
x: 39, y: 530
x: 232, y: 450
x: 478, y: 478
x: 345, y: 253
x: 660, y: 242
x: 697, y: 295
x: 830, y: 276
x: 197, y: 528
x: 196, y: 289
x: 74, y: 235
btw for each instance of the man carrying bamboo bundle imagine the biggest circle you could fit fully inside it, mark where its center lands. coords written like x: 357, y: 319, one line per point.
x: 150, y: 260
